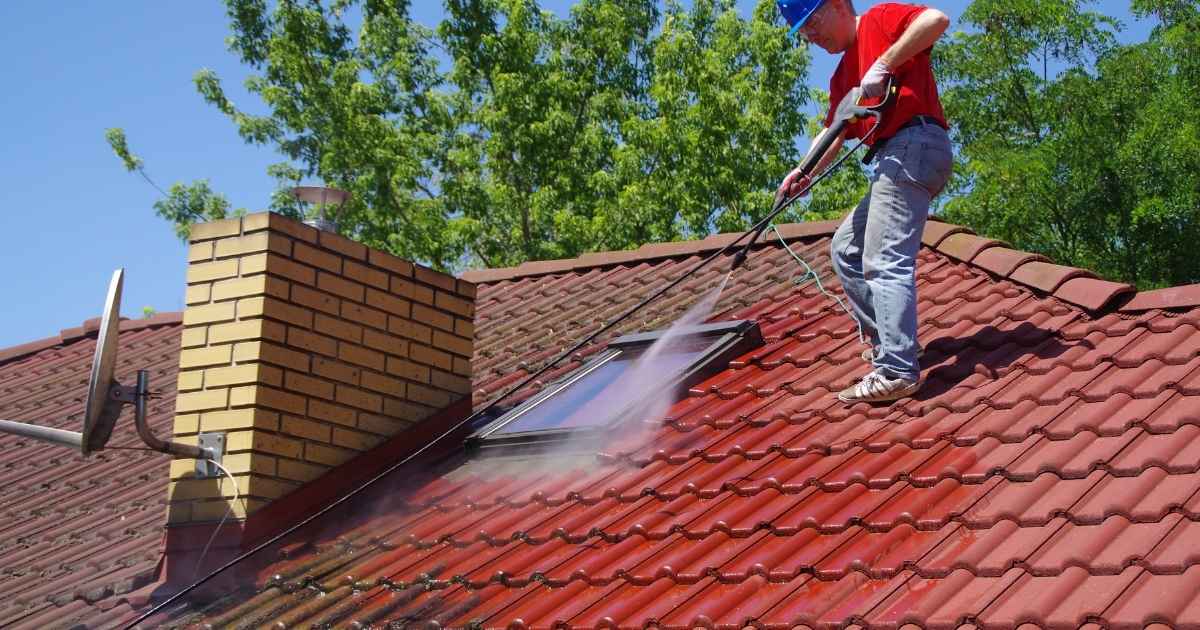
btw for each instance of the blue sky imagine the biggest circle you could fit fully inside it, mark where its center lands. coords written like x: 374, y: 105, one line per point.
x: 73, y: 213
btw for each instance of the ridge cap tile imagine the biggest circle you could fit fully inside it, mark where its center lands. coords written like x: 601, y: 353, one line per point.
x: 1002, y: 261
x: 1046, y: 276
x: 1184, y: 296
x: 965, y: 246
x: 936, y: 231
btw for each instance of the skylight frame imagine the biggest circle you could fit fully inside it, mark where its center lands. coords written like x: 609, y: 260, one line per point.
x: 726, y: 341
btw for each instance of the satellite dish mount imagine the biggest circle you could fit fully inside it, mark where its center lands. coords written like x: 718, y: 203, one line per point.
x: 106, y: 398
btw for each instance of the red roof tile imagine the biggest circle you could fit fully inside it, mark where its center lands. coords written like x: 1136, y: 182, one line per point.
x: 1045, y: 474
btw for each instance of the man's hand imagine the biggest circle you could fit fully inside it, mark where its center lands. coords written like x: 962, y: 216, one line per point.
x: 792, y: 185
x: 874, y: 82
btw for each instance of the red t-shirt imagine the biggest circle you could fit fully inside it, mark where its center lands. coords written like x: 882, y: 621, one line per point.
x: 878, y: 29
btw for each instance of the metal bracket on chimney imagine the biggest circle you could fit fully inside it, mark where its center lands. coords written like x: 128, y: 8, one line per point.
x: 214, y: 443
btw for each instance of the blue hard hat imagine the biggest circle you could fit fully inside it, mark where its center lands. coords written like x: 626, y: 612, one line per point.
x: 797, y: 12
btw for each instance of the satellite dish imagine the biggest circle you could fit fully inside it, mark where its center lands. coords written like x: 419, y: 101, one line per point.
x: 102, y: 411
x: 106, y: 397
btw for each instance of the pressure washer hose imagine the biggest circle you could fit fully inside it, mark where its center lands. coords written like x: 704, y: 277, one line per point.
x: 756, y: 230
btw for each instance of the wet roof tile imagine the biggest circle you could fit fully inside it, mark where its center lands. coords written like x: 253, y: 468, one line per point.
x: 1045, y: 475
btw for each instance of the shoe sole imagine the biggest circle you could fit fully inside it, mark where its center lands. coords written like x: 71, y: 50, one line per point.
x: 892, y: 397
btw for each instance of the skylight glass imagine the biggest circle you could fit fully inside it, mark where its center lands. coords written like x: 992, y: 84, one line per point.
x: 634, y: 377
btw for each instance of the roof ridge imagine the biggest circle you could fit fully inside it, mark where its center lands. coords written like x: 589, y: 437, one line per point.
x: 88, y: 328
x: 1078, y: 286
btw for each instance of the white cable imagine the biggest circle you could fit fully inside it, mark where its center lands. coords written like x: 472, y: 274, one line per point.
x: 820, y: 287
x: 236, y: 497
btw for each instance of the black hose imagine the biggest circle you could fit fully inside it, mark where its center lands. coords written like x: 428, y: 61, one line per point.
x: 757, y: 229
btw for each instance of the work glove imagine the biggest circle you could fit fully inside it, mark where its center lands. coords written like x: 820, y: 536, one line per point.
x: 792, y: 185
x: 874, y: 82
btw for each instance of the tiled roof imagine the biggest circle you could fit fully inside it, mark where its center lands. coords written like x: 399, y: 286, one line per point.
x: 1047, y: 473
x: 1050, y: 455
x: 77, y: 532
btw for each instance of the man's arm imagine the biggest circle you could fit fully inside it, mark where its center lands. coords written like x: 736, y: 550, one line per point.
x: 793, y: 183
x: 922, y: 33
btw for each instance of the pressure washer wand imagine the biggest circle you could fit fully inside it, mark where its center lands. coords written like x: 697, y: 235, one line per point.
x: 848, y: 111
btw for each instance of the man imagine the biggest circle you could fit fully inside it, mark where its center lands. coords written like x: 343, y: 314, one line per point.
x: 874, y: 251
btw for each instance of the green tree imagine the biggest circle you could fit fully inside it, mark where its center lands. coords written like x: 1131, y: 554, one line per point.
x: 626, y: 121
x: 1072, y: 145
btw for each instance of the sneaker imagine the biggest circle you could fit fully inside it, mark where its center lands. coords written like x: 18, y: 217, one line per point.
x: 868, y: 355
x: 875, y: 387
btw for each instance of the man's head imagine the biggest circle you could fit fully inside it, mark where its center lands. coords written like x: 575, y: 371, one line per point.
x: 829, y: 24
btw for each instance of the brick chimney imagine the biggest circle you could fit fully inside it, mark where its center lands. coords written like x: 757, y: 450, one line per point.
x: 305, y: 349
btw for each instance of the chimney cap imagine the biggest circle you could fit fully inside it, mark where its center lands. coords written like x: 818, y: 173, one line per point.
x: 322, y: 196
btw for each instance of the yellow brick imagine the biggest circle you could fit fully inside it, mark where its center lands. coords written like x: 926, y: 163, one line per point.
x: 430, y: 356
x: 387, y: 343
x: 310, y: 298
x: 466, y: 289
x: 450, y: 382
x: 390, y: 262
x: 203, y: 357
x: 355, y: 439
x: 199, y: 252
x: 299, y: 427
x: 231, y: 419
x: 362, y: 315
x: 208, y: 511
x: 462, y: 367
x: 276, y: 265
x: 435, y: 398
x: 243, y: 374
x: 269, y: 397
x: 340, y: 286
x: 260, y: 242
x: 238, y: 463
x: 275, y: 309
x: 366, y: 275
x: 236, y: 441
x: 405, y: 410
x: 198, y: 294
x: 190, y: 380
x: 202, y: 400
x: 193, y: 337
x: 343, y: 245
x: 317, y: 258
x: 337, y: 414
x: 410, y: 329
x: 301, y: 339
x: 279, y: 223
x: 464, y: 328
x: 455, y: 305
x: 270, y: 353
x: 253, y: 285
x: 382, y: 425
x: 300, y: 384
x: 187, y: 423
x: 422, y: 294
x: 408, y: 369
x: 339, y: 328
x: 185, y: 489
x: 361, y: 356
x: 209, y: 271
x: 402, y: 287
x: 335, y: 370
x: 208, y: 313
x: 184, y: 469
x: 215, y: 229
x: 179, y: 512
x: 383, y: 384
x: 429, y: 276
x: 437, y: 319
x: 355, y: 397
x: 457, y: 345
x: 269, y: 487
x: 328, y: 455
x: 300, y: 471
x: 246, y: 330
x: 390, y: 303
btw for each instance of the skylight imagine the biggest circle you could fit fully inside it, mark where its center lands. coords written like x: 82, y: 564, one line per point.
x: 620, y: 384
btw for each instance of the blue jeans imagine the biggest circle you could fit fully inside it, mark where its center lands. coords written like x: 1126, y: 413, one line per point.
x: 874, y: 252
